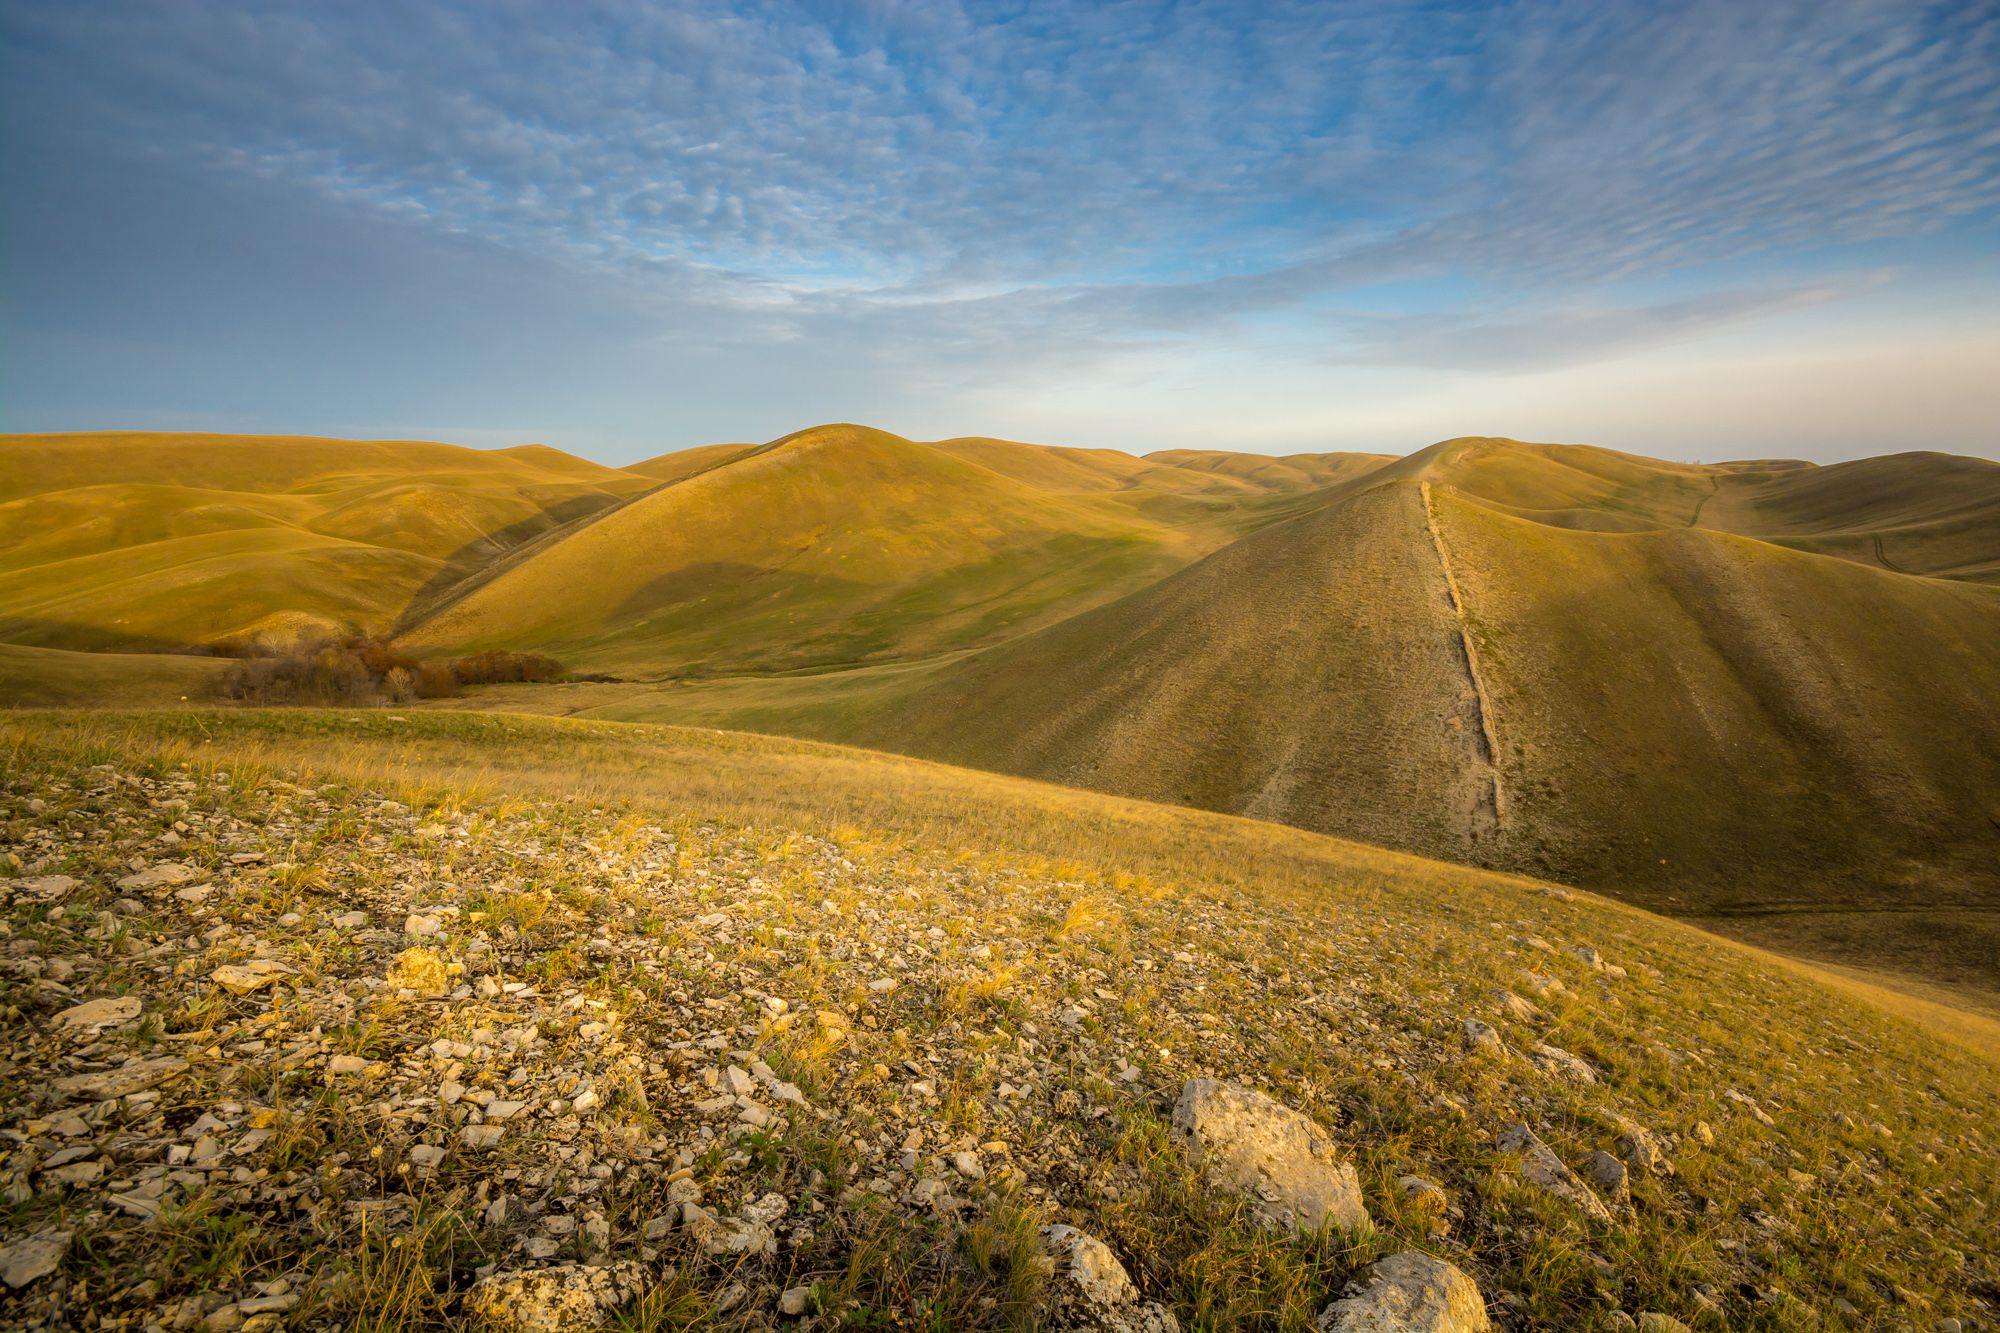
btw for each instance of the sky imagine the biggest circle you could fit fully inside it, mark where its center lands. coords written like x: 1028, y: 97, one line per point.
x: 1695, y: 230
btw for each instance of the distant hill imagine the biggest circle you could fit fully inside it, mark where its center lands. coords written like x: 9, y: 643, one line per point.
x: 684, y: 463
x: 143, y: 541
x: 1760, y: 693
x: 1289, y: 472
x: 1706, y: 722
x: 843, y: 544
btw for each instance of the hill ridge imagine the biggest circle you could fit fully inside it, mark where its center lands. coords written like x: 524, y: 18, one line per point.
x: 1493, y: 810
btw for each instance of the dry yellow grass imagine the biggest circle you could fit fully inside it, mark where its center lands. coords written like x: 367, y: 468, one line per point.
x: 1041, y: 933
x: 136, y: 541
x: 843, y: 544
x: 1707, y: 723
x: 1678, y: 697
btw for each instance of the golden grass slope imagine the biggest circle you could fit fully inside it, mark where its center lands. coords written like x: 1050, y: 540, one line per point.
x: 1707, y: 723
x: 684, y: 463
x: 176, y: 541
x: 57, y: 678
x: 1917, y: 513
x: 1287, y: 472
x: 1311, y: 673
x: 1828, y: 1153
x: 843, y: 544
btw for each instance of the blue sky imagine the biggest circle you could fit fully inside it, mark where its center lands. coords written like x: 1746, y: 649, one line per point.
x: 1697, y: 230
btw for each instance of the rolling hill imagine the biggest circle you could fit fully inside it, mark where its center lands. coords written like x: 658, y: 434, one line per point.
x: 165, y: 542
x: 1919, y: 513
x: 843, y: 544
x: 1603, y: 689
x: 1703, y: 722
x: 1757, y: 693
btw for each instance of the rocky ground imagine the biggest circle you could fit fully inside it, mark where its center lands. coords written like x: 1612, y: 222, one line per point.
x: 284, y: 1055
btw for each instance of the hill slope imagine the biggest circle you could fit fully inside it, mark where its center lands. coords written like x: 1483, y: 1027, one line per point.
x: 1289, y: 472
x: 756, y: 1017
x: 843, y: 544
x: 1913, y: 513
x: 177, y: 541
x: 1709, y: 724
x: 1648, y: 677
x: 1282, y: 677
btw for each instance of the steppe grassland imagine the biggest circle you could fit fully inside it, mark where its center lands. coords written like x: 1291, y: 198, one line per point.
x: 1334, y: 974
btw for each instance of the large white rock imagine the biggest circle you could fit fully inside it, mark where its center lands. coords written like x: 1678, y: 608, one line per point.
x: 561, y: 1299
x: 1287, y: 1164
x: 93, y: 1015
x: 1093, y: 1290
x: 33, y: 1257
x: 1411, y: 1292
x: 1543, y: 1169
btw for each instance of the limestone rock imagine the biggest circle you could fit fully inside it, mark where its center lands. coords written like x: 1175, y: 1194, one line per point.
x: 122, y: 1081
x: 1563, y: 1064
x: 421, y: 970
x: 32, y: 1258
x: 93, y: 1015
x: 1282, y: 1159
x: 166, y: 875
x: 1093, y: 1290
x: 1410, y: 1292
x: 248, y: 978
x: 749, y: 1232
x: 552, y: 1300
x: 1607, y: 1173
x: 45, y: 888
x: 1542, y: 1168
x: 1653, y: 1322
x: 1640, y: 1149
x: 1482, y: 1035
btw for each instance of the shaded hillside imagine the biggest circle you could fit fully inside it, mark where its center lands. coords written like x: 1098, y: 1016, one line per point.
x: 1916, y: 513
x: 1705, y: 720
x: 1289, y: 472
x: 1312, y: 673
x: 684, y: 463
x: 174, y: 541
x: 844, y: 544
x: 1701, y: 721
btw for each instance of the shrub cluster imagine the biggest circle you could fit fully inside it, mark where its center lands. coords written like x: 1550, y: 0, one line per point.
x: 504, y: 668
x: 363, y: 671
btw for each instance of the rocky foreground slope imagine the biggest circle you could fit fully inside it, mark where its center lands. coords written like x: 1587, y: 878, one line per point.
x: 295, y: 1053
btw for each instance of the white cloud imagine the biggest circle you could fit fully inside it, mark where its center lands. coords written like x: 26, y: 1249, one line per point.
x: 927, y: 198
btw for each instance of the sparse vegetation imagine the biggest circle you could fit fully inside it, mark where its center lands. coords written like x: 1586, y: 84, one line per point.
x: 360, y: 1017
x: 679, y: 905
x: 362, y: 671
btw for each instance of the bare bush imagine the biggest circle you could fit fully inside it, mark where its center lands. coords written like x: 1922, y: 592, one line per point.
x: 363, y: 671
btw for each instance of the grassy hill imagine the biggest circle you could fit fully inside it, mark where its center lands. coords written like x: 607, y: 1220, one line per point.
x: 1913, y: 513
x: 1799, y: 748
x: 843, y: 544
x: 684, y: 463
x: 1279, y: 678
x: 146, y: 541
x: 1289, y: 472
x: 1641, y: 676
x: 60, y: 678
x: 444, y: 1017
